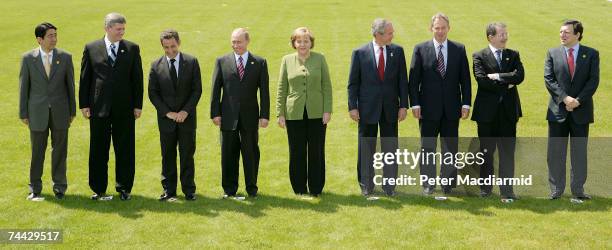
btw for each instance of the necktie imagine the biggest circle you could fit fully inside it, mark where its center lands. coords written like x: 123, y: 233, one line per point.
x: 240, y: 68
x: 570, y: 62
x: 381, y: 63
x: 47, y: 63
x: 173, y: 74
x: 498, y: 57
x: 113, y: 54
x: 441, y: 67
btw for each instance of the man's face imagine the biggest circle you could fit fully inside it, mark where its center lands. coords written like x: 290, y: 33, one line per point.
x: 387, y: 37
x: 239, y: 43
x: 567, y: 36
x: 500, y: 38
x: 115, y: 33
x: 440, y: 29
x: 171, y: 47
x: 49, y: 41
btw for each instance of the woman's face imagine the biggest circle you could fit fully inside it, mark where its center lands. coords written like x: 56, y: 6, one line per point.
x: 302, y: 44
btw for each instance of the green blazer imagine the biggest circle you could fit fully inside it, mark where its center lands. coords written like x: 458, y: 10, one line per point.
x: 302, y: 85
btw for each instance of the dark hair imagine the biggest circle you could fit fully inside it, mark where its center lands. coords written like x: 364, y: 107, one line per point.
x: 169, y: 34
x: 492, y: 28
x: 576, y: 25
x: 42, y: 28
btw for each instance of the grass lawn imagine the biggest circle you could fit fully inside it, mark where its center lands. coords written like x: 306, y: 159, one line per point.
x: 341, y: 218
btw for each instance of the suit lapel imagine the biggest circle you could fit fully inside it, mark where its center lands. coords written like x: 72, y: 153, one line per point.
x: 231, y: 60
x: 38, y: 63
x: 388, y: 63
x: 561, y: 50
x: 491, y: 59
x: 181, y: 69
x: 120, y: 52
x: 248, y: 66
x: 54, y: 64
x: 582, y: 55
x: 165, y: 72
x: 102, y: 52
x: 372, y: 57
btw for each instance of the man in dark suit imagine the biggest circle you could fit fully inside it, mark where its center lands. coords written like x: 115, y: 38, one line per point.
x: 46, y: 103
x: 440, y: 94
x: 110, y: 96
x: 497, y: 107
x: 571, y: 75
x: 236, y: 79
x: 377, y: 97
x: 175, y: 87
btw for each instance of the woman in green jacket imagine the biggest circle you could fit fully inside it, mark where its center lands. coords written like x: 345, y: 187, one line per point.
x: 304, y: 106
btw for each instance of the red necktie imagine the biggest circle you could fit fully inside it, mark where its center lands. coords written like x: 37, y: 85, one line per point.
x: 570, y: 62
x: 381, y: 64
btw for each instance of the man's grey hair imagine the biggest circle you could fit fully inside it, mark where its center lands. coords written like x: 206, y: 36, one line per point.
x: 113, y: 18
x: 492, y: 28
x: 439, y: 15
x: 241, y: 31
x: 379, y: 25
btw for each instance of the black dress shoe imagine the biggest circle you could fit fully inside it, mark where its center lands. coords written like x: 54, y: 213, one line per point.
x: 254, y: 195
x: 59, y: 196
x: 582, y: 196
x: 96, y: 196
x: 124, y: 196
x: 367, y: 192
x: 428, y: 191
x: 190, y: 197
x: 33, y: 196
x: 166, y: 197
x: 485, y: 193
x: 390, y: 193
x: 554, y: 196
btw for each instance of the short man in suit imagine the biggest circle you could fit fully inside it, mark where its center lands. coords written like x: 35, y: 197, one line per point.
x: 175, y: 87
x: 571, y: 75
x: 46, y: 103
x: 497, y: 108
x: 377, y: 98
x: 110, y: 96
x: 440, y: 94
x: 236, y: 79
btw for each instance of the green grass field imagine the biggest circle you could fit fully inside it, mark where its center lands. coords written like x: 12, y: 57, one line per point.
x: 278, y: 219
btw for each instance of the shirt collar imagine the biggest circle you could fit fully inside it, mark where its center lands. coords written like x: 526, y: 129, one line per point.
x: 108, y: 42
x: 376, y: 45
x: 42, y: 52
x: 177, y: 58
x: 493, y: 49
x: 244, y: 56
x: 437, y: 44
x: 575, y: 47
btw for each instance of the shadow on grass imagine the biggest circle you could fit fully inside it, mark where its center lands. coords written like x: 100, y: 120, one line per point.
x: 328, y: 203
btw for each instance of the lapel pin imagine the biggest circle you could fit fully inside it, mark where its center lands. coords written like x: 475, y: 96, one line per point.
x: 57, y: 62
x: 507, y: 59
x: 392, y: 54
x: 583, y: 56
x: 252, y: 62
x: 122, y: 51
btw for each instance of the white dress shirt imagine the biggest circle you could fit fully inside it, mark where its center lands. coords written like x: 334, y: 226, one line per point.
x: 43, y: 56
x: 377, y: 53
x: 108, y: 48
x: 244, y: 56
x: 176, y: 63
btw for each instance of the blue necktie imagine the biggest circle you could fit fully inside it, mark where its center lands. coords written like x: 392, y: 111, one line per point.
x: 498, y: 57
x: 113, y: 55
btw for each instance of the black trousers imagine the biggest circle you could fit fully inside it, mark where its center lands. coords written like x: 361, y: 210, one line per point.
x: 558, y: 134
x: 498, y: 134
x: 448, y: 130
x: 59, y: 146
x: 233, y: 143
x: 186, y: 141
x: 306, y: 154
x: 367, y: 141
x: 121, y: 130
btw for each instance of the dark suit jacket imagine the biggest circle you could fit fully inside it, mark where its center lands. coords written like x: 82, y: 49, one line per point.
x: 490, y: 92
x: 104, y: 87
x: 238, y: 100
x: 582, y: 86
x: 37, y: 92
x: 439, y: 96
x: 370, y: 95
x: 185, y: 97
